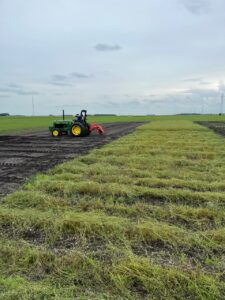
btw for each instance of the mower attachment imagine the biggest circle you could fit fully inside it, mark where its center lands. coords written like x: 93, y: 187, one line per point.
x: 98, y: 128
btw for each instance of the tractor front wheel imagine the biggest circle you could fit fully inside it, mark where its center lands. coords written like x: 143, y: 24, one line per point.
x: 55, y: 133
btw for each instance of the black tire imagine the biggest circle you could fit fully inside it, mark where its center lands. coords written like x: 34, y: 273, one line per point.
x: 77, y: 129
x: 55, y: 133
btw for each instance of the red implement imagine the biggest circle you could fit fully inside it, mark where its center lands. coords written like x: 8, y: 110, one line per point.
x: 98, y: 128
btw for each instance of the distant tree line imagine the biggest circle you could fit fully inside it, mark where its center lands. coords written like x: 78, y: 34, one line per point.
x: 4, y: 114
x: 105, y: 115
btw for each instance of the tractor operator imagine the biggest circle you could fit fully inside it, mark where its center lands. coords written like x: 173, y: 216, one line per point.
x: 78, y: 118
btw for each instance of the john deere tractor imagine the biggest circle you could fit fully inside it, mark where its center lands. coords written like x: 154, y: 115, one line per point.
x: 77, y: 127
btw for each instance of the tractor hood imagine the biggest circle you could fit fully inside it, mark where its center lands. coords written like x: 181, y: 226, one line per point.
x: 62, y: 122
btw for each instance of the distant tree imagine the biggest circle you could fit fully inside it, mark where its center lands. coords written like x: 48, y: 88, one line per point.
x: 4, y: 115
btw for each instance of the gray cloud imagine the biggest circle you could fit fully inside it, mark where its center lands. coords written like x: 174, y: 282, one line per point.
x: 196, y: 6
x: 60, y: 83
x: 202, y: 92
x: 6, y: 90
x: 67, y: 80
x: 200, y: 81
x: 106, y: 47
x: 14, y: 85
x: 60, y: 80
x: 205, y: 83
x: 4, y: 96
x: 195, y: 79
x: 79, y: 75
x: 189, y: 101
x: 59, y: 77
x: 13, y: 88
x: 59, y: 94
x: 26, y: 93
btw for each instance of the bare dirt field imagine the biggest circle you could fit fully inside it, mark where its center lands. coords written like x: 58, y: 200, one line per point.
x: 22, y: 156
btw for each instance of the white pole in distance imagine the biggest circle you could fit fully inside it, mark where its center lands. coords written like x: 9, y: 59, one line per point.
x: 221, y: 103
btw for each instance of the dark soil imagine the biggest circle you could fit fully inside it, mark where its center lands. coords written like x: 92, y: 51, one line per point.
x: 218, y: 127
x: 22, y: 156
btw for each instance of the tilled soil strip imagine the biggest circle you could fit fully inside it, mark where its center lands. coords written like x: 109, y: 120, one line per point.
x: 22, y: 156
x: 218, y: 127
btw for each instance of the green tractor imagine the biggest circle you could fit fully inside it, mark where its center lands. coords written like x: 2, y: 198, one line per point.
x: 77, y: 127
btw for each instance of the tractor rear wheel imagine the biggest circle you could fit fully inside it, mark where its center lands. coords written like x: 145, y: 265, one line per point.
x: 77, y: 130
x: 55, y: 133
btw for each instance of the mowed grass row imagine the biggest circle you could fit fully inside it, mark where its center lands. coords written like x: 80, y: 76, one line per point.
x: 140, y: 218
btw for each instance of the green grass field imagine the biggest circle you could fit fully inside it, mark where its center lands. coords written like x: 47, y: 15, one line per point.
x: 28, y: 124
x: 140, y: 218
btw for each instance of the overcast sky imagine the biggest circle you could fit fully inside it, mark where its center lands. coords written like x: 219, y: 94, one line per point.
x: 112, y: 56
